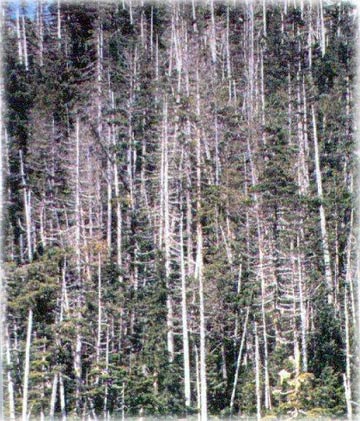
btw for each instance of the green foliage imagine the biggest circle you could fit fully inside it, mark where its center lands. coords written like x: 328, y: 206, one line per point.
x: 261, y: 236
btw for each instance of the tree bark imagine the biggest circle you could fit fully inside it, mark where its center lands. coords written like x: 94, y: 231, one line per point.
x: 324, y: 234
x: 257, y: 375
x: 199, y: 264
x: 238, y: 361
x: 347, y: 375
x: 27, y: 368
x: 187, y: 387
x: 53, y: 396
x: 19, y: 37
x: 165, y: 230
x: 27, y: 208
x: 24, y: 40
x: 10, y: 381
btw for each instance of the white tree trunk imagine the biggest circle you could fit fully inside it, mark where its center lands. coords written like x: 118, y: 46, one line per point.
x: 59, y: 23
x: 118, y: 221
x: 99, y: 321
x: 187, y: 388
x: 257, y: 375
x: 9, y: 379
x: 27, y: 208
x: 27, y: 368
x: 324, y: 234
x: 322, y: 28
x: 303, y: 315
x: 62, y: 398
x: 19, y: 37
x: 213, y: 33
x: 199, y: 265
x: 165, y: 230
x: 106, y: 389
x: 238, y: 361
x: 78, y: 341
x: 53, y: 396
x: 347, y: 375
x: 26, y: 60
x: 264, y: 18
x: 40, y: 33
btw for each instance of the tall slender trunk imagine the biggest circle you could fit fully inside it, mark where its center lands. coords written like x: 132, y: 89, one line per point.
x: 27, y: 367
x: 27, y: 208
x: 165, y: 229
x: 212, y: 33
x: 257, y: 374
x: 109, y: 206
x: 40, y: 33
x: 347, y: 375
x: 263, y: 283
x: 264, y: 18
x: 228, y: 57
x: 238, y: 361
x: 24, y: 40
x: 10, y: 382
x: 322, y: 28
x: 62, y: 398
x: 99, y: 321
x: 324, y: 234
x: 303, y: 314
x: 106, y: 388
x: 19, y: 37
x: 199, y: 265
x: 53, y: 396
x: 78, y: 340
x: 117, y: 195
x: 58, y: 10
x: 187, y: 388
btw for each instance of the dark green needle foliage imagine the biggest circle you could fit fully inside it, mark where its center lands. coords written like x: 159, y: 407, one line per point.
x: 161, y: 156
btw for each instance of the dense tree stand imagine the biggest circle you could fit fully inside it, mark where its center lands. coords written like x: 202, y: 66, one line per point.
x: 179, y: 209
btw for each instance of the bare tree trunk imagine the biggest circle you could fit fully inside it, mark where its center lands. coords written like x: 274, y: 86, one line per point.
x: 303, y: 315
x: 59, y: 24
x: 347, y: 375
x: 213, y: 33
x: 324, y: 235
x: 238, y: 361
x: 77, y: 369
x: 198, y: 387
x: 109, y: 207
x: 106, y: 390
x: 53, y: 396
x: 27, y: 368
x: 263, y: 286
x: 257, y: 375
x: 26, y: 60
x: 78, y: 341
x: 165, y: 229
x: 10, y: 381
x: 187, y: 387
x: 99, y: 322
x: 322, y: 28
x: 27, y: 208
x: 40, y: 33
x: 228, y: 60
x: 199, y: 264
x: 264, y: 18
x: 117, y: 197
x: 19, y: 37
x: 62, y: 398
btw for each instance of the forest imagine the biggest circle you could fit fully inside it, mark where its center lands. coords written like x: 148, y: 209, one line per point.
x: 179, y: 209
